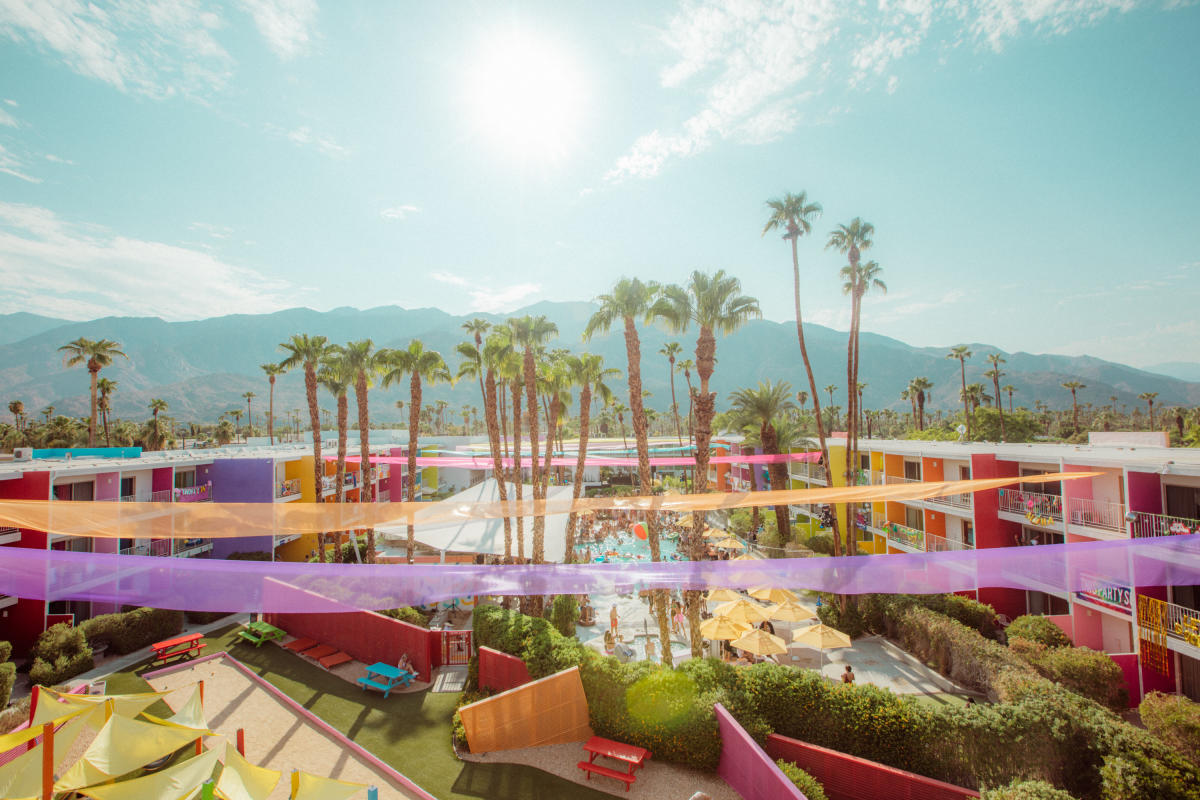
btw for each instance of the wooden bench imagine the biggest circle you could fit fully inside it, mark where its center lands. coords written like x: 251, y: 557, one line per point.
x: 252, y: 637
x: 297, y: 645
x: 383, y: 687
x: 588, y: 767
x: 329, y: 662
x: 179, y: 646
x: 319, y: 652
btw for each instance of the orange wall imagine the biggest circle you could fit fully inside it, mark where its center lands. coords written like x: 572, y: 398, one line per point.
x: 932, y: 469
x: 935, y: 522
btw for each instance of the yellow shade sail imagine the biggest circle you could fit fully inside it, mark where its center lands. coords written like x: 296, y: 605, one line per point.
x: 789, y: 611
x: 22, y: 777
x: 52, y: 704
x: 760, y: 643
x: 120, y: 747
x: 175, y: 783
x: 723, y: 628
x: 190, y: 716
x: 742, y: 610
x: 314, y: 787
x: 770, y: 594
x: 241, y: 780
x: 820, y: 637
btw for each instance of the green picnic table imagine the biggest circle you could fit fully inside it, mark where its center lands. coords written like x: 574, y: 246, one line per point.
x: 258, y: 632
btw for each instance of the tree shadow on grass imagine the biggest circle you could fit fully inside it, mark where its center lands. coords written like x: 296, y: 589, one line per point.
x: 517, y: 782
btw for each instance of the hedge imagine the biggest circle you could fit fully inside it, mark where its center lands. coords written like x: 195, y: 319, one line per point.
x: 821, y: 543
x: 809, y: 786
x: 5, y: 651
x: 956, y: 651
x: 1175, y: 720
x: 8, y: 676
x: 1026, y: 790
x: 880, y: 613
x: 1089, y: 672
x: 60, y: 653
x: 408, y: 614
x: 563, y: 613
x: 1038, y: 629
x: 130, y: 631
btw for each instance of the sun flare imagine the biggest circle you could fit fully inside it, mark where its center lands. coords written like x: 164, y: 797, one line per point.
x: 525, y: 94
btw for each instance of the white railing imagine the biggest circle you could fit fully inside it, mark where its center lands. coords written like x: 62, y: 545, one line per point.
x: 1037, y: 504
x: 288, y: 488
x: 384, y: 495
x: 895, y: 480
x: 1145, y: 525
x: 158, y: 547
x: 940, y: 544
x: 954, y: 500
x: 1184, y: 624
x: 1096, y: 514
x: 161, y: 496
x: 162, y: 548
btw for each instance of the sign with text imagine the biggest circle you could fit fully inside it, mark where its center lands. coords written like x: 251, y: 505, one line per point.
x: 1106, y: 593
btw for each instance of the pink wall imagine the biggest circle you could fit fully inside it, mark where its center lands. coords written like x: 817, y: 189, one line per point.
x: 746, y: 768
x: 1145, y: 492
x: 1089, y: 627
x: 847, y: 777
x: 500, y: 671
x: 1066, y: 624
x: 163, y: 479
x: 108, y: 486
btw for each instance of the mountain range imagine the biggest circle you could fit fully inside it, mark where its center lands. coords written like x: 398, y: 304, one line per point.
x: 201, y: 368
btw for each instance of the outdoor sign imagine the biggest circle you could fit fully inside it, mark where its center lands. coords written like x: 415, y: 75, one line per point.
x: 1105, y: 593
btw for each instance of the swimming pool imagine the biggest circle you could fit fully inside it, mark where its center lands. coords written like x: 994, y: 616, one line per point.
x: 625, y: 548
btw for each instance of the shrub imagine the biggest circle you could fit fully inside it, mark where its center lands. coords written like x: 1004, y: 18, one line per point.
x: 809, y: 786
x: 1090, y: 673
x: 8, y: 676
x: 821, y: 543
x: 563, y: 614
x: 132, y: 630
x: 956, y: 651
x: 408, y: 614
x: 849, y: 620
x: 1035, y: 628
x: 5, y: 651
x: 1026, y: 790
x: 61, y: 653
x: 1175, y: 720
x: 967, y: 610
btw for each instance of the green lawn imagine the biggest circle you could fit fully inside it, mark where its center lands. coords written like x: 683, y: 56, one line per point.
x: 411, y: 732
x: 941, y: 699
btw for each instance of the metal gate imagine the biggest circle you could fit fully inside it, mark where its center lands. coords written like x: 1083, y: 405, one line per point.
x: 456, y: 647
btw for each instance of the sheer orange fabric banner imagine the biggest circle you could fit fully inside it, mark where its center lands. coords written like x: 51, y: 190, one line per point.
x: 229, y: 520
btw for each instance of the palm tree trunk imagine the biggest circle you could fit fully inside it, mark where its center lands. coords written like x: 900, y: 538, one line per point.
x: 851, y: 417
x: 314, y: 414
x: 633, y: 353
x: 107, y: 440
x: 585, y: 412
x: 966, y: 413
x: 518, y: 480
x: 366, y: 492
x: 414, y: 423
x: 779, y: 479
x: 94, y: 377
x: 271, y: 412
x: 531, y: 411
x: 498, y: 471
x: 674, y: 404
x: 999, y: 405
x: 812, y: 384
x: 343, y: 423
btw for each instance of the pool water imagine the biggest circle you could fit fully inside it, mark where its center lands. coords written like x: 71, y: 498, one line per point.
x: 629, y: 548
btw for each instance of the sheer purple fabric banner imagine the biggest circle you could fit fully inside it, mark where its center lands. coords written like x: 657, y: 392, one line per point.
x: 1103, y: 569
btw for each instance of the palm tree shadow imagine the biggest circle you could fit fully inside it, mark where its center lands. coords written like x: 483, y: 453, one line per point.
x: 516, y: 782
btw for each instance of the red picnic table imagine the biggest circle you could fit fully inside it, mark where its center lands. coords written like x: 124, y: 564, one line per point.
x: 629, y: 754
x: 180, y: 645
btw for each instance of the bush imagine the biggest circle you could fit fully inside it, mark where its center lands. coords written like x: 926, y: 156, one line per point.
x: 254, y: 555
x: 1090, y: 673
x: 1026, y: 790
x: 1038, y: 629
x: 61, y: 653
x: 5, y: 651
x: 849, y: 620
x: 809, y: 786
x: 132, y: 630
x: 821, y: 543
x: 967, y: 610
x: 408, y: 614
x: 956, y: 651
x: 563, y: 614
x: 8, y: 676
x: 1175, y: 720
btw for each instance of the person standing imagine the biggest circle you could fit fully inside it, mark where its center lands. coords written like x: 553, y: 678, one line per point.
x: 612, y: 620
x: 848, y: 675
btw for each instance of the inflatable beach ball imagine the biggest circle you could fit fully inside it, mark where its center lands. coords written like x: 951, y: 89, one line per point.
x: 639, y: 530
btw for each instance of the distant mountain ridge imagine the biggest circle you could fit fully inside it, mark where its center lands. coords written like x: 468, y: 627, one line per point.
x: 202, y: 367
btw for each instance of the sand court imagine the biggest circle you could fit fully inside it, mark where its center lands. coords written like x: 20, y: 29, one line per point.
x: 276, y: 735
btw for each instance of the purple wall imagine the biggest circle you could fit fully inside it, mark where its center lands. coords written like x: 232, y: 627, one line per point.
x: 1145, y: 492
x: 241, y: 480
x: 746, y: 768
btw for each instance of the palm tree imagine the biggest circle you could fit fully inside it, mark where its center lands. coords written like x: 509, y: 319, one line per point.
x: 629, y: 302
x: 1009, y: 388
x: 830, y: 389
x: 479, y: 361
x: 619, y: 409
x: 17, y: 409
x: 336, y: 375
x: 157, y: 405
x: 801, y: 398
x: 716, y: 305
x: 48, y: 412
x: 995, y: 359
x: 95, y: 355
x: 365, y: 363
x: 911, y: 396
x: 670, y: 350
x: 248, y: 396
x: 920, y: 387
x: 794, y: 214
x: 1072, y: 387
x: 106, y: 387
x: 590, y: 375
x: 962, y: 353
x: 308, y: 351
x: 761, y: 407
x: 420, y: 365
x: 272, y: 371
x: 531, y: 334
x: 1149, y: 397
x: 236, y: 413
x: 975, y: 395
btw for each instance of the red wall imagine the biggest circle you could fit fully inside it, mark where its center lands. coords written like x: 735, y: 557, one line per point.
x: 367, y: 636
x: 25, y: 621
x: 847, y: 777
x: 500, y: 671
x: 991, y: 531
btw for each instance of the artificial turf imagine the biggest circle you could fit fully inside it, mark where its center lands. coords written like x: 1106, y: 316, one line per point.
x: 410, y: 731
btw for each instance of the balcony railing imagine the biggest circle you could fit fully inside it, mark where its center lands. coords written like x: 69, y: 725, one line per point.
x: 194, y: 494
x: 179, y: 548
x: 288, y: 488
x: 940, y: 544
x: 1146, y: 525
x: 811, y: 472
x: 1183, y: 623
x: 904, y: 535
x: 895, y: 480
x: 329, y: 482
x: 953, y: 500
x: 1031, y: 504
x: 1097, y: 514
x: 161, y: 496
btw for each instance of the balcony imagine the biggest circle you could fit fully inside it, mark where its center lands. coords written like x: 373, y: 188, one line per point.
x: 194, y: 494
x: 161, y: 496
x: 176, y: 548
x: 904, y: 537
x: 1096, y: 514
x: 1034, y: 506
x: 1144, y: 525
x: 962, y: 501
x: 287, y: 489
x: 9, y: 535
x: 813, y: 473
x: 329, y: 482
x: 940, y: 544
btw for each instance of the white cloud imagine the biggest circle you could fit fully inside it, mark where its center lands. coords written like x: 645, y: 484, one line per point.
x: 446, y: 277
x: 490, y: 300
x: 57, y: 160
x: 54, y: 267
x: 7, y: 120
x: 756, y: 65
x: 304, y: 137
x: 399, y: 212
x: 11, y: 165
x: 12, y: 103
x: 215, y: 231
x: 285, y: 24
x: 151, y: 47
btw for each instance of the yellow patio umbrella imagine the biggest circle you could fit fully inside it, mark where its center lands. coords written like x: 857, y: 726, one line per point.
x: 714, y: 533
x: 769, y: 594
x: 730, y: 543
x: 722, y: 628
x: 820, y: 637
x: 746, y: 557
x: 791, y: 611
x: 685, y: 519
x: 722, y: 595
x: 742, y: 611
x: 760, y: 643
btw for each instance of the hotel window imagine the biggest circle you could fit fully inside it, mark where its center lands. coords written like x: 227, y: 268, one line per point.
x: 1047, y: 604
x: 1045, y: 488
x: 912, y: 470
x: 85, y: 490
x: 185, y: 480
x: 127, y: 487
x: 914, y: 518
x: 968, y: 533
x: 1183, y: 501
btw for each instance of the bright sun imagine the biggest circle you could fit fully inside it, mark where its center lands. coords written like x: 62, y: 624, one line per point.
x: 525, y: 94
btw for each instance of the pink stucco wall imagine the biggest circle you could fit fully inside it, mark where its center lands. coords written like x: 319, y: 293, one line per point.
x: 1145, y: 492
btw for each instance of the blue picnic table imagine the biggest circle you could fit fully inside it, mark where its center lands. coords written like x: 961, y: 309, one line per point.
x: 385, y: 677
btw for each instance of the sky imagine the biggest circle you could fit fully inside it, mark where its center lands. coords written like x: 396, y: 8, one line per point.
x: 1030, y: 166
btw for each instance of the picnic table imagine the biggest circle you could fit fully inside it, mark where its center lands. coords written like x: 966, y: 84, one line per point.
x: 630, y: 755
x: 180, y: 645
x: 385, y: 677
x: 259, y: 631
